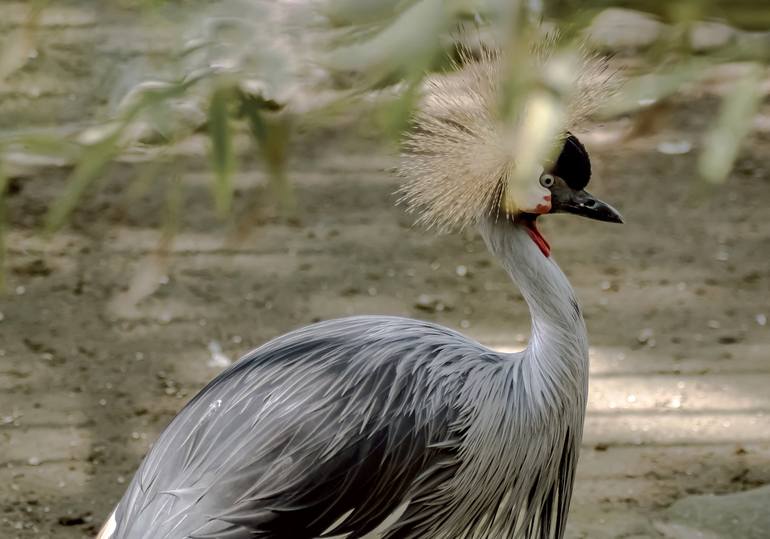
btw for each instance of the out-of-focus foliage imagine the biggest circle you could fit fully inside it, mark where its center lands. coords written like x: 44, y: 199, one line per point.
x: 722, y: 144
x: 264, y: 66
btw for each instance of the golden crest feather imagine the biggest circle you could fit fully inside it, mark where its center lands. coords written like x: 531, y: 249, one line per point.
x: 458, y: 155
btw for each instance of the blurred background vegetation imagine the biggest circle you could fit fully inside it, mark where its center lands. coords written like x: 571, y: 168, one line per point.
x: 243, y: 79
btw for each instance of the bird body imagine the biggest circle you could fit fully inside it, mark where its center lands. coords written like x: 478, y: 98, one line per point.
x: 389, y: 427
x: 383, y: 424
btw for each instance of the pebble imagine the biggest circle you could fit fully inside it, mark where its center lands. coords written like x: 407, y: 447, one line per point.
x: 675, y: 402
x: 617, y: 28
x: 679, y: 147
x: 431, y: 304
x: 708, y: 35
x: 217, y: 359
x: 646, y: 336
x: 722, y: 256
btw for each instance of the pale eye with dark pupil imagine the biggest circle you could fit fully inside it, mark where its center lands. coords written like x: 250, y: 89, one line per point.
x: 546, y: 180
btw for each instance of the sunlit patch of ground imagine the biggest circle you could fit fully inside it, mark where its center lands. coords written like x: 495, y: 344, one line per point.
x: 99, y: 348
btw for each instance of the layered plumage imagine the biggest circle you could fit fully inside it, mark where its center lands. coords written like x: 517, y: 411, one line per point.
x: 379, y: 423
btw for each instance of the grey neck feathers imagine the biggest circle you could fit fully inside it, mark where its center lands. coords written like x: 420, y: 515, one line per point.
x: 557, y: 354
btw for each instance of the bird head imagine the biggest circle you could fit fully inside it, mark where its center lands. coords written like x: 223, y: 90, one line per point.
x: 564, y: 180
x: 462, y: 163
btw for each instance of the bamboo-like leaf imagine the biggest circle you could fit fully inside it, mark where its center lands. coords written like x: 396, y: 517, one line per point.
x: 15, y: 48
x: 222, y: 151
x: 92, y: 163
x: 403, y: 48
x: 640, y: 91
x: 396, y: 115
x: 344, y: 12
x: 250, y: 107
x: 271, y: 134
x: 46, y: 144
x: 95, y: 158
x: 723, y: 142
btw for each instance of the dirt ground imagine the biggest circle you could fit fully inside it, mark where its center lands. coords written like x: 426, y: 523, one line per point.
x: 674, y: 302
x: 102, y: 341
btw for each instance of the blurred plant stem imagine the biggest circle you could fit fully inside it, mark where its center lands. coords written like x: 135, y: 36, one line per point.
x: 18, y: 45
x: 271, y: 131
x: 96, y: 156
x: 723, y: 142
x: 222, y: 152
x: 91, y: 164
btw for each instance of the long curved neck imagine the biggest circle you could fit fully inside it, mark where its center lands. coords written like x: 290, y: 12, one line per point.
x: 558, y: 347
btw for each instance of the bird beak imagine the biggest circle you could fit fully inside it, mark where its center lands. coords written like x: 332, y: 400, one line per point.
x: 585, y: 204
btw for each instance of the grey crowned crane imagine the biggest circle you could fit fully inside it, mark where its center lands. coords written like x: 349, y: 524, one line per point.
x: 378, y: 426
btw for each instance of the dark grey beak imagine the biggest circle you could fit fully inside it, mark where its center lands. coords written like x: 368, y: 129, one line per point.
x: 585, y: 204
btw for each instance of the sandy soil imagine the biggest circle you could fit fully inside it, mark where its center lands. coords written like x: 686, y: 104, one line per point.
x: 102, y: 341
x: 674, y: 300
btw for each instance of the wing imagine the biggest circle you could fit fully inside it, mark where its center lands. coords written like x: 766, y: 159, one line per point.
x: 322, y: 432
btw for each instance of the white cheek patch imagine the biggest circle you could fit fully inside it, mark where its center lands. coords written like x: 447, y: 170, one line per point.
x: 526, y: 195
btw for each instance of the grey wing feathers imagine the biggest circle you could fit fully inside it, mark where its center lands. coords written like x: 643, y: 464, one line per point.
x: 347, y: 418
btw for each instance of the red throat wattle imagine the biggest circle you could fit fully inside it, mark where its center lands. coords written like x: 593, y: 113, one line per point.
x: 537, y: 237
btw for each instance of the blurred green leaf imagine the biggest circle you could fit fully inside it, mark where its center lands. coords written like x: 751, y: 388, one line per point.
x: 94, y: 158
x: 15, y: 48
x: 643, y: 90
x: 50, y: 145
x: 395, y: 116
x: 91, y: 164
x: 271, y: 133
x: 403, y: 48
x: 222, y: 150
x: 723, y: 142
x: 345, y: 12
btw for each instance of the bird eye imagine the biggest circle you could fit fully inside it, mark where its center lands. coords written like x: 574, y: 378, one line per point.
x: 546, y: 180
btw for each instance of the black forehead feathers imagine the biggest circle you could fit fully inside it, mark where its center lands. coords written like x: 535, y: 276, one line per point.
x: 573, y: 164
